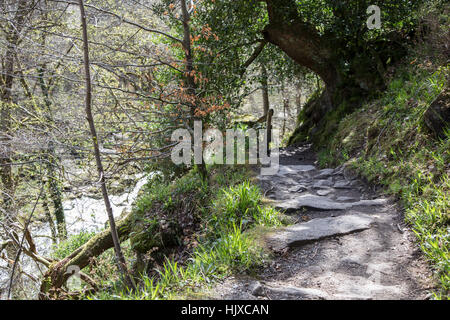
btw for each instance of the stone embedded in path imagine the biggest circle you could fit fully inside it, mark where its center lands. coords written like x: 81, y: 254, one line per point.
x: 285, y: 292
x: 324, y: 192
x: 374, y: 202
x: 323, y: 203
x: 256, y: 289
x: 299, y: 293
x: 311, y: 201
x: 318, y: 229
x: 294, y: 169
x: 298, y: 188
x: 343, y: 199
x: 351, y: 297
x: 323, y: 184
x: 324, y: 174
x: 343, y: 185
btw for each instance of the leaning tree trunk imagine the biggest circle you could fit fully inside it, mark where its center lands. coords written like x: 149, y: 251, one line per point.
x: 121, y: 263
x: 289, y: 31
x: 302, y: 43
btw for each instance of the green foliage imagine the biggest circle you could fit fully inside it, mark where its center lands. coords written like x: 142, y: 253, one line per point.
x: 238, y: 26
x: 359, y: 54
x: 162, y: 200
x: 233, y: 251
x: 390, y: 146
x: 225, y: 245
x: 66, y: 247
x: 238, y: 203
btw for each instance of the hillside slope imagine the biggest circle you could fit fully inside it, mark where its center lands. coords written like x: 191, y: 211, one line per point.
x: 400, y: 140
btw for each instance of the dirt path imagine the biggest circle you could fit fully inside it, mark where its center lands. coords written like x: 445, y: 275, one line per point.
x: 348, y: 242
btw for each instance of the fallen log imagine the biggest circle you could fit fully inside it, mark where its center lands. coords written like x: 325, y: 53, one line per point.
x: 157, y: 228
x: 57, y: 273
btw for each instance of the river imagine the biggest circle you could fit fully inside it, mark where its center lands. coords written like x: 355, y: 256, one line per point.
x: 84, y: 213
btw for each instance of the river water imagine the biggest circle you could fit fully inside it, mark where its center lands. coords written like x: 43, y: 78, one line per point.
x: 84, y: 213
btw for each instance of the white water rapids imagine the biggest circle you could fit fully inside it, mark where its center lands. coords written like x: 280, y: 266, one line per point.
x: 82, y: 214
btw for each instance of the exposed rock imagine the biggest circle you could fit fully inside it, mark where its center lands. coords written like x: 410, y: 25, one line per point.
x: 339, y: 170
x: 256, y: 289
x: 322, y: 203
x: 298, y: 293
x: 437, y: 116
x: 311, y: 201
x: 280, y: 194
x: 374, y: 202
x: 343, y: 199
x: 324, y: 192
x: 298, y: 188
x: 294, y: 169
x: 351, y: 297
x: 378, y: 263
x: 318, y: 229
x: 343, y: 185
x: 323, y: 183
x: 324, y: 174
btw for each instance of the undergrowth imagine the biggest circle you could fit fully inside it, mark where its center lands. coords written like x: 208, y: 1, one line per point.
x: 387, y: 142
x: 229, y: 209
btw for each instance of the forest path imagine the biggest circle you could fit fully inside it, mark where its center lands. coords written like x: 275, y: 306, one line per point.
x: 347, y: 243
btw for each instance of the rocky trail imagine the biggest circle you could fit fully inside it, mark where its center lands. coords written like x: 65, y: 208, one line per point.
x: 348, y: 242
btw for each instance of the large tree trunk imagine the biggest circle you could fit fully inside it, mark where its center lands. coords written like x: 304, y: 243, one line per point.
x: 265, y: 90
x: 300, y: 41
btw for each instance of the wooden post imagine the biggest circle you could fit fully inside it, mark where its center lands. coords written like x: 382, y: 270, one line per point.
x: 269, y: 129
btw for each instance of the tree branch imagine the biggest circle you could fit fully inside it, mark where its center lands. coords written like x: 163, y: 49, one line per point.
x: 253, y: 57
x: 132, y: 23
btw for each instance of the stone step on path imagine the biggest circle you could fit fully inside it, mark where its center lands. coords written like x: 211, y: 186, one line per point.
x: 295, y: 169
x: 295, y: 188
x: 291, y: 189
x: 292, y: 180
x: 263, y: 290
x: 323, y: 203
x: 318, y: 229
